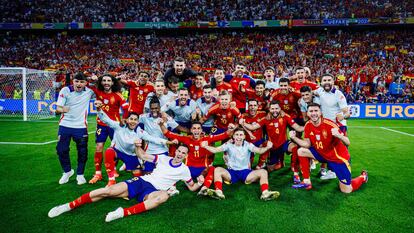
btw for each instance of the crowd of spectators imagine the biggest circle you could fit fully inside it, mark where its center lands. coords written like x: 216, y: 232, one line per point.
x: 197, y: 10
x: 365, y: 63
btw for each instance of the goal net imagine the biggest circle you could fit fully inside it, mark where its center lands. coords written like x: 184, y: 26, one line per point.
x: 26, y: 94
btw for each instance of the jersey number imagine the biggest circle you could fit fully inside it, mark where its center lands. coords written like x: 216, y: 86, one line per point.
x: 140, y: 97
x: 197, y: 153
x: 98, y: 131
x: 319, y: 145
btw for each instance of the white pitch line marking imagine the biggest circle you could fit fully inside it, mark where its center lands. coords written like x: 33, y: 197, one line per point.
x: 33, y: 143
x: 396, y: 131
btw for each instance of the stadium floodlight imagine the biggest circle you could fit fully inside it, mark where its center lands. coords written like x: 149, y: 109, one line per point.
x: 26, y: 94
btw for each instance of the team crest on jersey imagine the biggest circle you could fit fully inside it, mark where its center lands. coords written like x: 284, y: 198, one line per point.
x: 286, y: 101
x: 141, y: 92
x: 106, y: 101
x: 318, y: 137
x: 325, y: 134
x: 276, y: 124
x: 197, y: 147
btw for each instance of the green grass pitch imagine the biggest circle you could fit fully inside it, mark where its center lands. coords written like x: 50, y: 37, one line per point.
x: 30, y: 174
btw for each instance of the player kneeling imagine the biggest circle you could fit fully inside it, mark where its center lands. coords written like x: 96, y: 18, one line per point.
x: 324, y: 142
x: 239, y: 167
x: 150, y: 190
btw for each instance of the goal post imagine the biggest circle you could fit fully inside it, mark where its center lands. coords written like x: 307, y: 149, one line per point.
x: 26, y: 94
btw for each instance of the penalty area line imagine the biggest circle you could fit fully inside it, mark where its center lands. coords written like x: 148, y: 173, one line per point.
x: 33, y: 143
x: 396, y: 131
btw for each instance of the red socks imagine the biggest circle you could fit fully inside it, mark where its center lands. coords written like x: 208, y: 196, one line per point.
x: 135, y: 209
x: 262, y: 159
x: 294, y: 164
x: 305, y: 166
x: 219, y: 185
x: 98, y: 161
x: 357, y: 182
x: 264, y: 187
x: 209, y: 177
x: 82, y: 200
x: 110, y: 155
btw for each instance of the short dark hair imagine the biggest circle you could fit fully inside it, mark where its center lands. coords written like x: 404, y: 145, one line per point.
x: 79, y: 76
x: 154, y: 100
x: 173, y: 79
x: 199, y: 74
x: 182, y: 89
x: 179, y: 59
x: 284, y: 80
x: 184, y: 145
x: 145, y: 72
x: 274, y: 102
x: 249, y: 100
x: 305, y: 89
x: 207, y: 86
x: 328, y: 75
x: 260, y: 82
x: 240, y: 64
x: 219, y: 68
x: 133, y: 113
x: 270, y: 68
x: 313, y: 105
x: 195, y: 123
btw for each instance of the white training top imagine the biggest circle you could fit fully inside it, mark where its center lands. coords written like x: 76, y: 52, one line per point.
x: 164, y: 99
x: 331, y: 103
x: 124, y: 137
x: 304, y: 106
x: 272, y: 85
x: 204, y: 107
x: 165, y: 174
x: 152, y: 128
x: 181, y: 113
x: 78, y: 103
x: 238, y: 157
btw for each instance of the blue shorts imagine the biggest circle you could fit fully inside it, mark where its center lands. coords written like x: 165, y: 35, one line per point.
x: 196, y: 171
x: 215, y: 130
x: 299, y: 121
x: 149, y: 166
x: 238, y: 175
x: 131, y: 161
x: 139, y: 188
x: 276, y: 154
x: 343, y: 129
x: 102, y: 133
x: 342, y: 170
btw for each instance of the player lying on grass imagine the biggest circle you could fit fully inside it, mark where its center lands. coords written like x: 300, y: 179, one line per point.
x: 238, y: 164
x: 123, y: 147
x: 150, y: 190
x: 198, y: 160
x: 324, y: 142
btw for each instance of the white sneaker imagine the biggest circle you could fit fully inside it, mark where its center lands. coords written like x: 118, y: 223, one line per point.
x: 58, y: 210
x: 269, y: 195
x: 81, y: 179
x: 329, y: 175
x: 216, y: 194
x: 116, y: 214
x: 203, y: 191
x: 173, y: 191
x: 65, y: 177
x: 122, y: 167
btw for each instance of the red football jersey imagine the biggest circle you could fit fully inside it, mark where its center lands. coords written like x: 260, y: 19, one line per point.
x: 258, y: 133
x: 328, y: 146
x: 238, y: 96
x: 277, y: 129
x: 112, y: 102
x: 223, y: 117
x: 288, y: 103
x: 297, y: 85
x: 224, y: 86
x: 195, y: 93
x: 137, y: 96
x: 197, y: 156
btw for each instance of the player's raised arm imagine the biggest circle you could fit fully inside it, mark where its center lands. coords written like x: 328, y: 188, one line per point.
x: 335, y: 132
x: 261, y: 150
x: 195, y: 186
x: 247, y: 126
x: 301, y: 142
x: 212, y: 149
x: 142, y: 154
